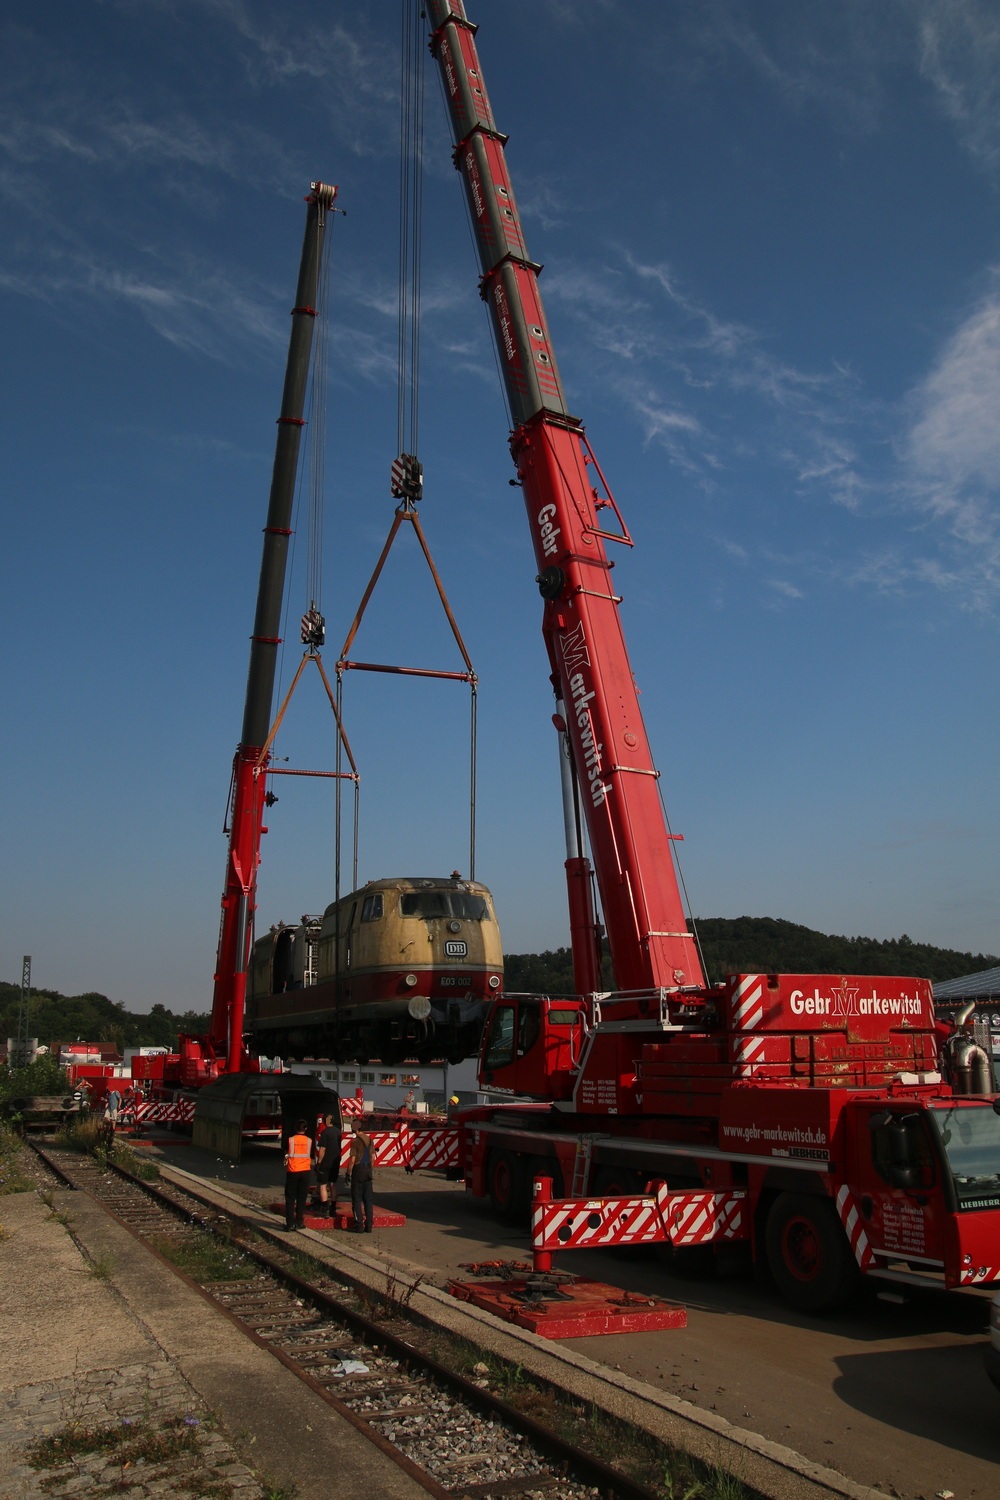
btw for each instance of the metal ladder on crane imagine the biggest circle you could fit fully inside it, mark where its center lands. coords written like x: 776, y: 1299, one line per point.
x: 581, y: 1165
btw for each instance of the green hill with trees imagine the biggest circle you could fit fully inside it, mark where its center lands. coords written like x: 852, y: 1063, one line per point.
x: 93, y: 1018
x: 752, y: 945
x: 731, y: 945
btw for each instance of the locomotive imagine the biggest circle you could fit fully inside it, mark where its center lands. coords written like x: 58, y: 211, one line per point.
x: 402, y: 967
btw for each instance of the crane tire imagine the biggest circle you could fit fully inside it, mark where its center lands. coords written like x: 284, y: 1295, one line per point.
x: 617, y: 1182
x: 546, y: 1166
x: 508, y: 1186
x: 808, y: 1253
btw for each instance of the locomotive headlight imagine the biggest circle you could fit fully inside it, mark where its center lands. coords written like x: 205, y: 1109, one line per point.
x: 454, y: 926
x: 494, y: 981
x: 410, y: 980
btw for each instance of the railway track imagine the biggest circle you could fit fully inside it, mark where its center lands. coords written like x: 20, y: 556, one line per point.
x: 454, y: 1437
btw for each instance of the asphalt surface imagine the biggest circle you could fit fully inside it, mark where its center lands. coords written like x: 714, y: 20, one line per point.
x: 892, y: 1396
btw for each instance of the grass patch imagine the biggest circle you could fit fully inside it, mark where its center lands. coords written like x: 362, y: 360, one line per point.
x: 274, y: 1491
x: 89, y: 1135
x: 83, y: 1135
x: 114, y: 1455
x: 130, y: 1160
x: 102, y: 1266
x: 205, y: 1258
x: 13, y: 1178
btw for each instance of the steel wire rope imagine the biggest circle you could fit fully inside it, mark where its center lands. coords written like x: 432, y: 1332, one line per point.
x: 317, y: 433
x: 315, y: 427
x: 695, y: 934
x: 411, y: 117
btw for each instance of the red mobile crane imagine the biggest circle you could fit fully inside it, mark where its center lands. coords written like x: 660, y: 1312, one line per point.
x: 803, y: 1117
x: 204, y: 1058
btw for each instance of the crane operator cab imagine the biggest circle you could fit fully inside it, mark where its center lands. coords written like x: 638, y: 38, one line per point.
x: 532, y: 1045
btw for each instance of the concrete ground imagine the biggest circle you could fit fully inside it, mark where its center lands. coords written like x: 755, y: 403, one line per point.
x: 891, y: 1395
x: 94, y: 1329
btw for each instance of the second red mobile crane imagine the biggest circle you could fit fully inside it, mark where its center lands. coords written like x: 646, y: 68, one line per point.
x: 802, y: 1117
x: 201, y: 1059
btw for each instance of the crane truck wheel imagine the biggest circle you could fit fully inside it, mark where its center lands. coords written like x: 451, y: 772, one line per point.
x: 546, y: 1166
x: 617, y: 1182
x: 808, y: 1253
x: 509, y: 1187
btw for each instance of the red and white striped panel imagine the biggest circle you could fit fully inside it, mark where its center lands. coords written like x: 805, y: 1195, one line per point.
x: 854, y: 1228
x: 694, y: 1218
x: 978, y: 1275
x: 398, y: 471
x: 747, y: 1053
x: 389, y: 1148
x: 582, y: 1223
x: 179, y: 1111
x: 352, y: 1106
x: 434, y: 1148
x: 747, y: 1007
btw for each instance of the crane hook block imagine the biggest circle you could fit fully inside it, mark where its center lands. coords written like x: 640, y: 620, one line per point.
x: 406, y: 477
x: 313, y: 631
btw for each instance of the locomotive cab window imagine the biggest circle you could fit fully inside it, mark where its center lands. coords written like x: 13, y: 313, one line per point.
x: 428, y: 904
x: 372, y: 909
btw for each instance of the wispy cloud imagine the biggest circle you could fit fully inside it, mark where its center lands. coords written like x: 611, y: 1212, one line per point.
x: 357, y: 66
x: 193, y: 306
x: 830, y: 58
x: 782, y: 590
x: 951, y: 451
x: 682, y: 369
x: 922, y: 477
x: 839, y: 59
x: 959, y: 55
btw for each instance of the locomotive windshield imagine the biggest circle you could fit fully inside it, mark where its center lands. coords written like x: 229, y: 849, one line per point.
x: 462, y: 904
x: 971, y: 1140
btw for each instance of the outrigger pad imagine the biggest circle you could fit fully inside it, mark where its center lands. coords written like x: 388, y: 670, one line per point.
x: 568, y: 1307
x: 343, y: 1219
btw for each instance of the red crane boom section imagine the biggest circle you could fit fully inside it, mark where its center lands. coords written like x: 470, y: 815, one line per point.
x: 631, y: 846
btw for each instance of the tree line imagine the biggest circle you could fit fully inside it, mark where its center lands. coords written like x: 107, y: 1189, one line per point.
x: 92, y: 1017
x: 766, y: 945
x: 730, y: 945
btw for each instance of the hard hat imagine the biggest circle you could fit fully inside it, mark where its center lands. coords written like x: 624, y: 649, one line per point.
x: 453, y: 1099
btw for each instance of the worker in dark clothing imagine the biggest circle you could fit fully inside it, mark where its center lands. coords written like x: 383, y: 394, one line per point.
x: 328, y: 1145
x: 298, y: 1164
x: 360, y: 1164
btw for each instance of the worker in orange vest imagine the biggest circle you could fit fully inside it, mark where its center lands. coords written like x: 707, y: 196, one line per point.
x: 298, y: 1164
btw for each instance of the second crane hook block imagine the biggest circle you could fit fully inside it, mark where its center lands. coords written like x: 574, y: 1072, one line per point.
x: 406, y: 477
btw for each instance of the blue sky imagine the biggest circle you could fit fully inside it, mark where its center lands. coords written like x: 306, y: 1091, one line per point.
x: 772, y: 272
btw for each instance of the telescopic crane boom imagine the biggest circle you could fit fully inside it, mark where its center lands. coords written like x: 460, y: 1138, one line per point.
x: 248, y: 793
x: 564, y: 493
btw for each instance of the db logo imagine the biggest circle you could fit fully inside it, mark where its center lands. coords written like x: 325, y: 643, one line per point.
x: 455, y: 948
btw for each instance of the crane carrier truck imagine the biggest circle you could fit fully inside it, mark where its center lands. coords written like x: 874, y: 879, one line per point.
x: 803, y: 1117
